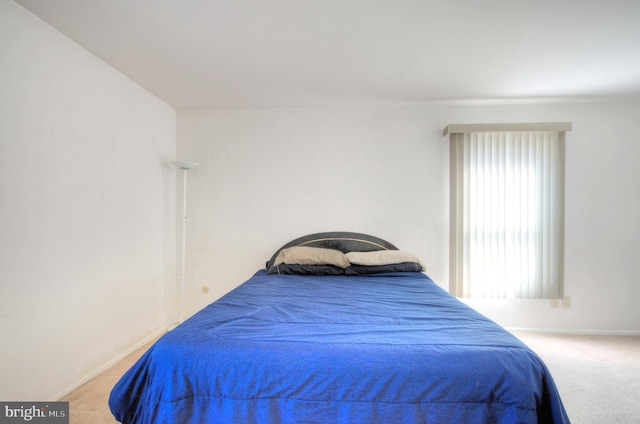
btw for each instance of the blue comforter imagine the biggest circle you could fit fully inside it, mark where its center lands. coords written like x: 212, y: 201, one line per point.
x: 384, y: 348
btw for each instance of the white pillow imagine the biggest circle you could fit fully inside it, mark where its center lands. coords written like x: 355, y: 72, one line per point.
x: 382, y: 257
x: 303, y: 255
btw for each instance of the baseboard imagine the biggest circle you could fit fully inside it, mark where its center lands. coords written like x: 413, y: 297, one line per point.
x: 576, y: 332
x: 111, y: 363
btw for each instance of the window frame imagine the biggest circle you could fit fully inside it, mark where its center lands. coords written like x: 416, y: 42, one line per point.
x: 456, y: 271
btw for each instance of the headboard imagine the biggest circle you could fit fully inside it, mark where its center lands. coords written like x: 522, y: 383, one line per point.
x: 339, y: 240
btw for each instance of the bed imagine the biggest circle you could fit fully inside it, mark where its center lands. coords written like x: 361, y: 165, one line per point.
x: 314, y: 339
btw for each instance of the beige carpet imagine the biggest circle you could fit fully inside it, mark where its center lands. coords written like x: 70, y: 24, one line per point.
x: 598, y: 378
x: 89, y: 403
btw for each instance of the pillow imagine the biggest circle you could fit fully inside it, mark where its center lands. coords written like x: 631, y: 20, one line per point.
x: 382, y: 257
x: 303, y: 255
x: 378, y: 269
x: 305, y: 269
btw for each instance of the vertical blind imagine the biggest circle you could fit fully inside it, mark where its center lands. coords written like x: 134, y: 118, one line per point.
x: 507, y: 211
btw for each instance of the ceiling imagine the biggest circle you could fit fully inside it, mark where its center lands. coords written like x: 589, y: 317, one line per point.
x: 197, y: 54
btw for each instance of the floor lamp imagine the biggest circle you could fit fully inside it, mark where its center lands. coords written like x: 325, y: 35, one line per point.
x: 185, y: 166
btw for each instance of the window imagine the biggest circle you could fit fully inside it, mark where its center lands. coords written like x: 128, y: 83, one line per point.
x: 507, y: 210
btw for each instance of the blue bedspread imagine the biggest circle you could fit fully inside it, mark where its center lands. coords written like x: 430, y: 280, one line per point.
x: 387, y: 348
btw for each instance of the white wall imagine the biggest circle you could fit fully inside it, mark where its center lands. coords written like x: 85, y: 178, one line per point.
x: 87, y: 208
x: 270, y: 175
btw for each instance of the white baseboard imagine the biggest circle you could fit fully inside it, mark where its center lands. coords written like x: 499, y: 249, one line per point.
x: 111, y: 363
x: 576, y: 332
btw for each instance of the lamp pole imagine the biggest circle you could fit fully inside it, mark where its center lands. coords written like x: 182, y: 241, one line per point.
x: 185, y: 167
